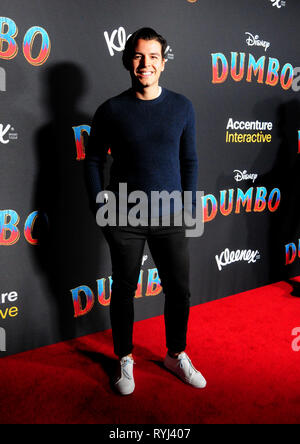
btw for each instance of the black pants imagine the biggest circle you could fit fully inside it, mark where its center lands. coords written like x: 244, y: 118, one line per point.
x: 169, y: 250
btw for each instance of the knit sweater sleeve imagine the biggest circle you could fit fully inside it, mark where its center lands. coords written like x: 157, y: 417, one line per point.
x: 96, y: 156
x: 188, y: 156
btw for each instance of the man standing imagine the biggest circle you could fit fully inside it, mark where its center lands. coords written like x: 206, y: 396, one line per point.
x: 151, y: 134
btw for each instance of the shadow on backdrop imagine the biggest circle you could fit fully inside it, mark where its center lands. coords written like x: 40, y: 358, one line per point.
x: 284, y: 224
x: 70, y: 243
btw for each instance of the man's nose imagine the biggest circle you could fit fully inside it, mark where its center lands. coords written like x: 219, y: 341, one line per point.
x: 146, y: 61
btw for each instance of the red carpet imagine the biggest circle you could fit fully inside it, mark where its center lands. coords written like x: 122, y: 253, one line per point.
x: 242, y: 345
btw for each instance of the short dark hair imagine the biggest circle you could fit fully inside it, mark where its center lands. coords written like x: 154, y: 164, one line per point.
x: 144, y: 34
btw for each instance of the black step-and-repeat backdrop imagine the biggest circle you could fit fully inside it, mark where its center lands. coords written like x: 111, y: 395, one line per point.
x: 238, y: 63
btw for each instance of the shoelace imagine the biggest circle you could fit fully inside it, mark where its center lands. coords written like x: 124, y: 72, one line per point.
x: 123, y: 368
x: 191, y: 367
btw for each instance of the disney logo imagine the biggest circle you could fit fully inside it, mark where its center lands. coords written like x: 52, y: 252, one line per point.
x: 243, y: 175
x: 254, y: 41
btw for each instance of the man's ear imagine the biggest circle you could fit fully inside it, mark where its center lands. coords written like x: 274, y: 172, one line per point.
x: 164, y: 64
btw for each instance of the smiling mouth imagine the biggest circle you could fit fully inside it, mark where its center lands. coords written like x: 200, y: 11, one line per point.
x: 145, y: 74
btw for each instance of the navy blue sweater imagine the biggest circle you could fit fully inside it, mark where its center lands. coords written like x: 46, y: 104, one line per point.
x: 152, y: 142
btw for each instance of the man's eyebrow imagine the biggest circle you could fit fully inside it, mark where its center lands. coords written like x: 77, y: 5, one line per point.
x: 151, y: 53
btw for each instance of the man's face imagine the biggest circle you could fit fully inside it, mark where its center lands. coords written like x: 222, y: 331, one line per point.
x: 147, y: 63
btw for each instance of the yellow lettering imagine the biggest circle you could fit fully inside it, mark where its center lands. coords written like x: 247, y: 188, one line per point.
x: 13, y: 312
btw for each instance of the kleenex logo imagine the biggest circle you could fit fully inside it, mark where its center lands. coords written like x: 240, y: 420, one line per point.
x: 116, y: 42
x: 228, y: 257
x: 9, y: 131
x: 278, y: 3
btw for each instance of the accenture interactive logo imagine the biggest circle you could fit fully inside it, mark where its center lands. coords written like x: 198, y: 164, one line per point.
x: 253, y: 132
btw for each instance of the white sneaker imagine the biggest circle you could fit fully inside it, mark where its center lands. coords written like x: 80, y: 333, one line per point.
x: 125, y: 383
x: 182, y: 367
